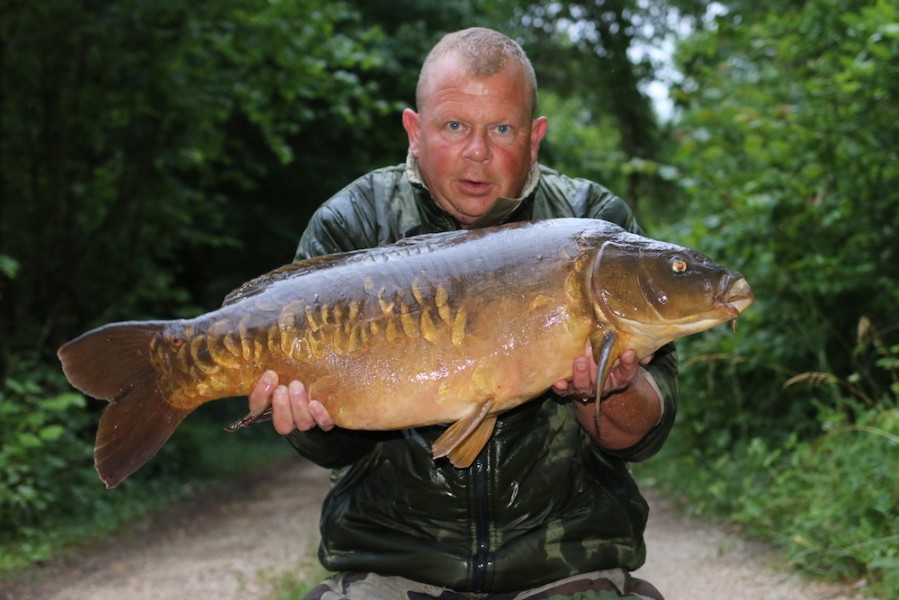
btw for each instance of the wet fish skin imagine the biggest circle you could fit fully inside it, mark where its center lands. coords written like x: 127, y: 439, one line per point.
x: 449, y: 328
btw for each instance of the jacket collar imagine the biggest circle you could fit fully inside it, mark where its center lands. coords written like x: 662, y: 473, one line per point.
x: 501, y: 210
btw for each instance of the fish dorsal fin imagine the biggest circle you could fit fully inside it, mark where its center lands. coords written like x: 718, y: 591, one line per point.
x: 257, y: 285
x: 463, y: 440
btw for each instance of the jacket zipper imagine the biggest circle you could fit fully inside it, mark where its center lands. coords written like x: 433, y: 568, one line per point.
x: 482, y: 523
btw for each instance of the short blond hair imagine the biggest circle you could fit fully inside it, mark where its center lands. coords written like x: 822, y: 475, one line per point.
x: 484, y: 52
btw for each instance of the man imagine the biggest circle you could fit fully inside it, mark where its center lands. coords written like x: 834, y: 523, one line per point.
x: 548, y: 509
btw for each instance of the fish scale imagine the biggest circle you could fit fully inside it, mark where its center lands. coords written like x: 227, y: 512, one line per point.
x: 453, y: 328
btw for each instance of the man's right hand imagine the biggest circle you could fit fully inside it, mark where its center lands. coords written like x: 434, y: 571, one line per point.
x: 291, y: 407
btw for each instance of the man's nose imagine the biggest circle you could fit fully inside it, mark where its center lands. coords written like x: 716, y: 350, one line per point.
x: 478, y: 147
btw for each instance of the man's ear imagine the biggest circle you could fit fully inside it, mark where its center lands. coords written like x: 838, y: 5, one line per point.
x: 412, y: 125
x: 538, y: 131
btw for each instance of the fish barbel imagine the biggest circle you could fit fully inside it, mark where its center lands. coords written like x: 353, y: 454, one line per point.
x: 447, y: 328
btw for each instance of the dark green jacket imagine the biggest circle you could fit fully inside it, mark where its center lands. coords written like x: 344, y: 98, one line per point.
x: 540, y: 503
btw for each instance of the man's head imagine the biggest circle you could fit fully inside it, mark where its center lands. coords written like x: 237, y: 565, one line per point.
x: 475, y: 135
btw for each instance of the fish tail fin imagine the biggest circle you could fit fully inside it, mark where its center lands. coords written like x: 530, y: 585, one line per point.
x: 132, y: 432
x: 113, y: 363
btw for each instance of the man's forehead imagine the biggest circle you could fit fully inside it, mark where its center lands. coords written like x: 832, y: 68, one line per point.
x: 456, y: 85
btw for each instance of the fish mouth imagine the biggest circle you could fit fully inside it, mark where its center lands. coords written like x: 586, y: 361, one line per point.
x: 737, y: 296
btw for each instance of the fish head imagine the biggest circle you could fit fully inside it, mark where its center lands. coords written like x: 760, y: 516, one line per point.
x: 655, y: 292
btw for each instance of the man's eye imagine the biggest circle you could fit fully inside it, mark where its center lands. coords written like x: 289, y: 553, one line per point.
x: 454, y: 125
x: 503, y: 129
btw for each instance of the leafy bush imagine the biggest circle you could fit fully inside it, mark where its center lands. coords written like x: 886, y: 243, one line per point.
x: 845, y: 483
x: 787, y: 155
x: 831, y: 503
x: 830, y: 499
x: 42, y: 453
x: 43, y: 458
x: 792, y: 177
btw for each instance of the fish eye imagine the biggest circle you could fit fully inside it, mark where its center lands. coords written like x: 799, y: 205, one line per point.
x: 678, y: 265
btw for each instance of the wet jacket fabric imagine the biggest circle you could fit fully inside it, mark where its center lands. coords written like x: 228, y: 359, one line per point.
x: 540, y: 503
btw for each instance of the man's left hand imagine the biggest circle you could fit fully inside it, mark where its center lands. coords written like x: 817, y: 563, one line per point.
x: 584, y: 374
x: 631, y: 405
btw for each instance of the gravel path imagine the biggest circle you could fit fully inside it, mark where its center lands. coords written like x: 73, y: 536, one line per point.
x: 235, y: 541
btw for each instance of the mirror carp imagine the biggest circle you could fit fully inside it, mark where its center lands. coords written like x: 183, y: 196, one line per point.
x: 446, y: 328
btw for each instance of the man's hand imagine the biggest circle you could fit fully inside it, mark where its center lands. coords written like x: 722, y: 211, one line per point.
x: 583, y: 379
x: 631, y: 406
x: 291, y: 407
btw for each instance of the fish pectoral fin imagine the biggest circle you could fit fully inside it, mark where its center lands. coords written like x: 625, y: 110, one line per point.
x: 463, y: 440
x: 603, y: 344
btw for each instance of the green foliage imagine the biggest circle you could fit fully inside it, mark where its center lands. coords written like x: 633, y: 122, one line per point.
x: 40, y: 448
x: 846, y: 482
x: 829, y: 498
x: 129, y: 127
x: 787, y: 144
x: 581, y: 143
x: 792, y: 177
x: 42, y: 459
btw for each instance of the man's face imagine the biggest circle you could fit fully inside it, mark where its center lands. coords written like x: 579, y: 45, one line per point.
x: 475, y: 139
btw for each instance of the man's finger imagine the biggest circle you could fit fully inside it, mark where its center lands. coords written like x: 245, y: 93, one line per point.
x: 282, y: 413
x: 321, y: 416
x: 263, y: 389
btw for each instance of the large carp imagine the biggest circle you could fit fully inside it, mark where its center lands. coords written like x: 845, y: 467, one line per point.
x: 450, y: 328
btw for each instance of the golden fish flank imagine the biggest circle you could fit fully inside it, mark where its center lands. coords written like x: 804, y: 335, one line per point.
x: 243, y: 334
x: 305, y: 332
x: 223, y: 347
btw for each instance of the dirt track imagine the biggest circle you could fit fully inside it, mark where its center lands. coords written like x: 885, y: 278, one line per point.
x: 236, y: 540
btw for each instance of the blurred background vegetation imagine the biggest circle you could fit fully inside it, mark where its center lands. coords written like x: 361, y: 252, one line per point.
x: 156, y: 154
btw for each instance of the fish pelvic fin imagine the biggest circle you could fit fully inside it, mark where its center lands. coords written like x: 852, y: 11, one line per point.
x: 113, y: 363
x: 464, y: 439
x: 464, y: 454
